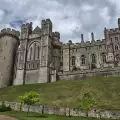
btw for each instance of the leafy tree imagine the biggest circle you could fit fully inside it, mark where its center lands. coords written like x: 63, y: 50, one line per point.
x: 30, y: 98
x: 86, y: 102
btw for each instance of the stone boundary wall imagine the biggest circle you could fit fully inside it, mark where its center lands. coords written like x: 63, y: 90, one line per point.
x: 38, y: 108
x: 77, y: 75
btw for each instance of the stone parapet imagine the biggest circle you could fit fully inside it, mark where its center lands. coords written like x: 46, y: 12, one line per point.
x: 11, y: 32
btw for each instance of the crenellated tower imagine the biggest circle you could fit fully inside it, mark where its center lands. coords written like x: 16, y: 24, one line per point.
x: 26, y: 30
x: 56, y: 50
x: 45, y: 53
x: 9, y: 41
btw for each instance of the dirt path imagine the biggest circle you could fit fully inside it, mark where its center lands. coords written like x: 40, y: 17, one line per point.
x: 4, y: 117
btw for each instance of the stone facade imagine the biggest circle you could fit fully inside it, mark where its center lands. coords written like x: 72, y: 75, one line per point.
x: 38, y: 56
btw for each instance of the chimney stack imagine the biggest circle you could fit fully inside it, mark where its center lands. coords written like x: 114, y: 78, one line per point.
x: 92, y: 36
x: 119, y: 23
x: 82, y: 38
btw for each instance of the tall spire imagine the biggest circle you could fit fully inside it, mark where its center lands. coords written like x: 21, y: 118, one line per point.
x: 82, y: 38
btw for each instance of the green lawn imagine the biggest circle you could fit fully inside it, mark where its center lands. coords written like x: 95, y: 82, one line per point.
x: 106, y: 92
x: 34, y: 116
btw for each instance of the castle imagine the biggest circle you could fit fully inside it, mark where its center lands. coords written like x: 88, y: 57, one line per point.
x: 38, y: 56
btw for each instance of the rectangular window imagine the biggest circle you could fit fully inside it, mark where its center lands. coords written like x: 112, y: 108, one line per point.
x: 116, y: 38
x: 21, y: 57
x: 61, y: 63
x: 73, y: 60
x: 100, y: 47
x: 110, y: 39
x: 33, y: 66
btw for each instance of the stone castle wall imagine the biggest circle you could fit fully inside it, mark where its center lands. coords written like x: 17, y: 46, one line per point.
x: 77, y: 75
x: 41, y: 56
x: 45, y: 109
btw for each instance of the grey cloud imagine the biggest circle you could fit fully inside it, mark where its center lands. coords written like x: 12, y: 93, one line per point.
x: 68, y: 16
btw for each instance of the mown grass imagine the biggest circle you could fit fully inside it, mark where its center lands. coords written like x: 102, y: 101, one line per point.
x: 106, y: 92
x: 35, y: 116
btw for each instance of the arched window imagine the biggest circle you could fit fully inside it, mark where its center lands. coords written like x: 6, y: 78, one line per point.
x: 83, y: 59
x: 93, y: 56
x: 116, y: 47
x: 103, y: 57
x: 30, y: 53
x: 34, y: 51
x: 38, y: 51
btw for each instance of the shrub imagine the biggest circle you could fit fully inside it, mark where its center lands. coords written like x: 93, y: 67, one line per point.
x: 4, y: 108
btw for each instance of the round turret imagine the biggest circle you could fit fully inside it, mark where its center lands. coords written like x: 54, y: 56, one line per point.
x: 9, y: 41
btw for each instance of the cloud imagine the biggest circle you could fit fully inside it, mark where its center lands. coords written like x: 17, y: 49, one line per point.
x: 69, y: 17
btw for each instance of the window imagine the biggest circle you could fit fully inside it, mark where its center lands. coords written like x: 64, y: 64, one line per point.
x: 117, y: 57
x: 116, y: 47
x: 33, y: 66
x: 100, y: 47
x: 116, y: 38
x: 34, y: 56
x: 110, y: 39
x: 83, y: 59
x: 30, y: 53
x: 103, y: 57
x: 29, y: 66
x: 37, y: 65
x: 93, y: 58
x: 21, y: 57
x: 38, y: 51
x: 73, y: 60
x: 61, y: 63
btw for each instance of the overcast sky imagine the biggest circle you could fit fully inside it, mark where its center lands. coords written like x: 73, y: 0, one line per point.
x: 69, y: 17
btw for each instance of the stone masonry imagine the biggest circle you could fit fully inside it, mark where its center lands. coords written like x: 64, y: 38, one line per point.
x: 37, y: 55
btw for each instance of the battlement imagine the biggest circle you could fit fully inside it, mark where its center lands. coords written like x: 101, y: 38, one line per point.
x: 110, y: 31
x: 26, y: 28
x: 27, y: 25
x: 9, y: 31
x: 46, y: 21
x: 56, y: 34
x: 85, y: 44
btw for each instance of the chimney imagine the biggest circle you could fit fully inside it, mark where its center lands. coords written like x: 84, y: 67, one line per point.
x: 82, y: 38
x: 92, y: 36
x: 119, y: 23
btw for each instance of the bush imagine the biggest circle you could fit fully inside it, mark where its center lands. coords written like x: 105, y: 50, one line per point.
x: 4, y: 108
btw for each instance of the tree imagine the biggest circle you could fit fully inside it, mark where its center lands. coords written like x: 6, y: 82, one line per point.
x: 86, y: 102
x: 30, y: 98
x: 21, y: 100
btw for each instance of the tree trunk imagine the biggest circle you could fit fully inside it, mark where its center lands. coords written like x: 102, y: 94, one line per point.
x: 69, y: 112
x: 28, y: 109
x: 20, y: 106
x: 43, y: 109
x: 86, y: 113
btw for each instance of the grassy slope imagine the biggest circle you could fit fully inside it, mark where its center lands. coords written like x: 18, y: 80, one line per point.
x: 106, y: 91
x: 34, y: 116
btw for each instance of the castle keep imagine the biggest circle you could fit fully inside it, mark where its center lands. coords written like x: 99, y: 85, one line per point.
x: 38, y: 56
